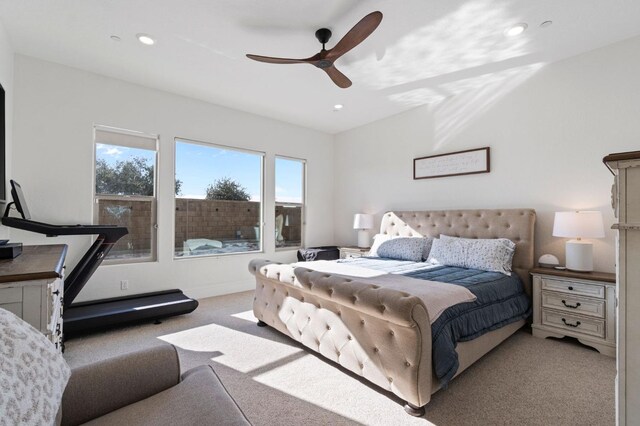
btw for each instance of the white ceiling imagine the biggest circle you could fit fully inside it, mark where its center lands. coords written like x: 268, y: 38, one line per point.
x: 423, y: 51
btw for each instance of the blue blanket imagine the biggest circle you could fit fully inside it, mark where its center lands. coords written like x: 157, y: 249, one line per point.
x: 501, y: 300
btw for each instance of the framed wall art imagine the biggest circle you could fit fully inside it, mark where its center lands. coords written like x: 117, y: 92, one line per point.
x: 469, y: 162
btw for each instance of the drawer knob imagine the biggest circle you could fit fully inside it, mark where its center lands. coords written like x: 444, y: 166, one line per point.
x: 576, y: 306
x: 569, y: 324
x: 57, y: 292
x: 570, y: 288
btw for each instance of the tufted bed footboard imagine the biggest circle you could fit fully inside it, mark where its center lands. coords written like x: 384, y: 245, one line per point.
x: 381, y: 334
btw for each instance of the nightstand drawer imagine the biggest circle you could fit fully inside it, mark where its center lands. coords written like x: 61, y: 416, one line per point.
x: 353, y: 252
x: 575, y: 324
x: 571, y: 303
x: 352, y: 255
x: 572, y: 287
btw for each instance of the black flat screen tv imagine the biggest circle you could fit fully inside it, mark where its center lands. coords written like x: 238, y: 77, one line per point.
x: 3, y: 161
x: 18, y: 199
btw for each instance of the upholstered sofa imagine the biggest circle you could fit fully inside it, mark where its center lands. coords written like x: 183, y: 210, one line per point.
x: 146, y: 388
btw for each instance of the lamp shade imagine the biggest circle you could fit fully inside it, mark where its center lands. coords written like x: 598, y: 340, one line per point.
x: 578, y: 224
x: 362, y: 221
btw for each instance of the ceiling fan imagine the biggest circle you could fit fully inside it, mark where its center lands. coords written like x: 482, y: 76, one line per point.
x: 326, y: 58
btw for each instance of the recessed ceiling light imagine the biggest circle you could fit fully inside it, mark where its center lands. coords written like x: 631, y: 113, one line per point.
x: 546, y: 24
x: 145, y: 39
x: 115, y: 38
x: 338, y: 107
x: 516, y: 30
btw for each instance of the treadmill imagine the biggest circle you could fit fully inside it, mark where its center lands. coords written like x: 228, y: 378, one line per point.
x: 104, y: 313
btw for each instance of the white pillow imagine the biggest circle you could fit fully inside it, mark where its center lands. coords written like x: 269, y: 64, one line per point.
x: 495, y: 255
x: 427, y: 247
x: 33, y: 374
x: 378, y: 239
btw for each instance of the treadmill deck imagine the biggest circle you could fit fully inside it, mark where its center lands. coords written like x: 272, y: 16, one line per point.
x: 120, y: 310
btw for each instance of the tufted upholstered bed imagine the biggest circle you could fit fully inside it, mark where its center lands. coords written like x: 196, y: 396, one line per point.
x: 381, y: 334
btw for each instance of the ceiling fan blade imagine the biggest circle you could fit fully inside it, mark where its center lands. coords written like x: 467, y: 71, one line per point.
x: 356, y: 35
x: 338, y: 78
x: 271, y: 60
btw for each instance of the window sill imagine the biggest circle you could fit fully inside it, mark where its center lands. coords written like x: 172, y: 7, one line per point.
x: 120, y: 262
x: 217, y: 255
x: 290, y: 248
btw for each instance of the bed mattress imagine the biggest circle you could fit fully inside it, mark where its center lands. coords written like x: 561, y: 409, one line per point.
x: 501, y: 300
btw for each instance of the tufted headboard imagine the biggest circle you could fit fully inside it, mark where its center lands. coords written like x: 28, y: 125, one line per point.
x: 518, y: 225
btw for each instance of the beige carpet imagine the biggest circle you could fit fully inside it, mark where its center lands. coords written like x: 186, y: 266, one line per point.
x: 525, y: 381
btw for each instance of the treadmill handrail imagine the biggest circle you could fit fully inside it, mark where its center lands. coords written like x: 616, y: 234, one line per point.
x: 110, y: 231
x: 108, y: 235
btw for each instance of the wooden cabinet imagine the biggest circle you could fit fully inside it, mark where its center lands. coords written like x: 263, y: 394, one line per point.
x: 625, y: 201
x: 352, y: 252
x: 32, y: 287
x: 576, y: 304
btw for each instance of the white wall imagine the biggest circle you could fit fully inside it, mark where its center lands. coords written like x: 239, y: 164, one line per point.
x: 55, y: 110
x: 548, y: 130
x: 6, y: 79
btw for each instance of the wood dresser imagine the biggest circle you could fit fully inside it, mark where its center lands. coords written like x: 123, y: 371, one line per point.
x: 31, y: 286
x: 625, y: 201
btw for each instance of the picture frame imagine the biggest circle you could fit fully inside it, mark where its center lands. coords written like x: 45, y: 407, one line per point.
x: 459, y: 163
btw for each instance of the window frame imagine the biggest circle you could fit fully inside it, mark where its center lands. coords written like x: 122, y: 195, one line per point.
x: 261, y: 221
x: 303, y: 207
x: 153, y: 257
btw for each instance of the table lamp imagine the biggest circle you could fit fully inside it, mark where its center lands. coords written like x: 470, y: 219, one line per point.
x: 578, y: 225
x: 363, y: 222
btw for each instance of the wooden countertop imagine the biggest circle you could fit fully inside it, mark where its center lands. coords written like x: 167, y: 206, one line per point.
x: 35, y: 263
x: 620, y: 156
x: 606, y: 277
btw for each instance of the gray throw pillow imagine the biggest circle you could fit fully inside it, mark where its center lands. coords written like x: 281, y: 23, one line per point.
x: 404, y: 248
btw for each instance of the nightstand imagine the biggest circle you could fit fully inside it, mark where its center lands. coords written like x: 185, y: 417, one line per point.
x: 576, y: 304
x: 351, y: 252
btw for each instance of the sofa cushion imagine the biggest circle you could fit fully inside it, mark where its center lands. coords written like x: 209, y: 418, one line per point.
x: 110, y: 384
x: 200, y: 398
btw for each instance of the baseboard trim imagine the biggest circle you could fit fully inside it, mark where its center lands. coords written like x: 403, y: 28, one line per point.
x: 220, y: 289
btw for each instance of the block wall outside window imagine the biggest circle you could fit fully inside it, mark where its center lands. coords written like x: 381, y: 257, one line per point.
x: 290, y: 202
x: 125, y: 191
x: 218, y: 206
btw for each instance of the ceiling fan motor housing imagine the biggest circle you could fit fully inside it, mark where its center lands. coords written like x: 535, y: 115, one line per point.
x: 323, y: 35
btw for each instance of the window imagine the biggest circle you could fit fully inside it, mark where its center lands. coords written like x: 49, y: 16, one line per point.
x: 218, y: 200
x: 289, y: 202
x: 125, y: 191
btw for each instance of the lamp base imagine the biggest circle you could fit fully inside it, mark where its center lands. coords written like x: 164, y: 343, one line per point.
x: 363, y: 238
x: 579, y: 256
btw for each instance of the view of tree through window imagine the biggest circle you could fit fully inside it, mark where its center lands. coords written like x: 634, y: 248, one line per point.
x: 125, y: 191
x: 218, y: 207
x: 289, y: 212
x: 227, y: 189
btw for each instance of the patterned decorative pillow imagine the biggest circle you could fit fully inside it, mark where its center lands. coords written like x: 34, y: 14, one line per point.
x: 495, y: 255
x: 33, y: 374
x: 403, y: 248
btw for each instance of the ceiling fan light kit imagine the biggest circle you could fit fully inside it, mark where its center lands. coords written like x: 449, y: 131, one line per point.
x: 325, y: 59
